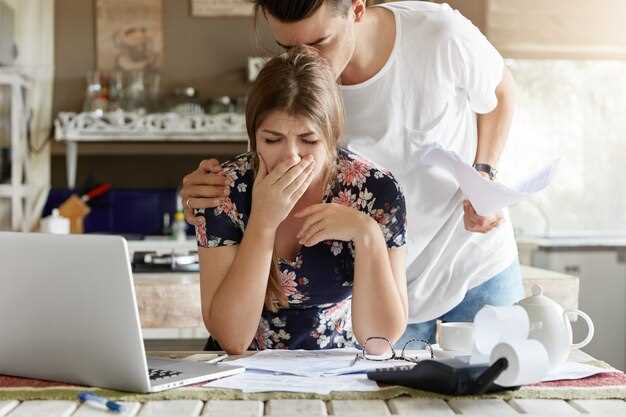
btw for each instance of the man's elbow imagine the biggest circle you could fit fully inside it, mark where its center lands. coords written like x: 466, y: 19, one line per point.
x: 506, y: 89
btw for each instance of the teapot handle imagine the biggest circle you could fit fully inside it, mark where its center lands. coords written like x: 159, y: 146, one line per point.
x: 590, y: 326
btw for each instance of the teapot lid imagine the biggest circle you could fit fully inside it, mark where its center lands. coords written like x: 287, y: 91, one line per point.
x: 537, y: 298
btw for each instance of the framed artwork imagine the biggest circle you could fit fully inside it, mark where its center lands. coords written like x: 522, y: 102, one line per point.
x: 221, y: 8
x: 129, y: 35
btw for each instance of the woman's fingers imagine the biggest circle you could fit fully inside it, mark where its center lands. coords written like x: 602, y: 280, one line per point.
x: 296, y: 184
x: 282, y: 168
x: 311, y: 231
x: 299, y: 192
x: 293, y: 173
x: 309, y: 222
x: 321, y: 235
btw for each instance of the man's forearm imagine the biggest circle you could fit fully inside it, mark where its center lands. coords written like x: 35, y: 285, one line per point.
x: 493, y: 127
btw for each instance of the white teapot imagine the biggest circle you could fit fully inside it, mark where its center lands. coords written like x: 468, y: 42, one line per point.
x: 550, y: 325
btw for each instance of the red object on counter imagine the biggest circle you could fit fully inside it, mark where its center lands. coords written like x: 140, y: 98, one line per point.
x: 96, y: 192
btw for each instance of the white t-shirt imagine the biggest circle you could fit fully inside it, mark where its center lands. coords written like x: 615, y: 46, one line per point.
x: 441, y: 72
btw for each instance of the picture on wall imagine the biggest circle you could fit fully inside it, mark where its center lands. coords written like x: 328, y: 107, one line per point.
x: 221, y: 8
x: 129, y: 35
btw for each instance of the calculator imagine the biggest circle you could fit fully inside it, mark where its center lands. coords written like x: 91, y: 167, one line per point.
x: 445, y: 376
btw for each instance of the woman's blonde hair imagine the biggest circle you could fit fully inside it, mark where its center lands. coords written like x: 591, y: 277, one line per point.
x: 300, y: 83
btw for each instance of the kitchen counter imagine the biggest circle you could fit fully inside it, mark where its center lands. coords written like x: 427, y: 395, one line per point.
x: 172, y: 300
x: 577, y: 241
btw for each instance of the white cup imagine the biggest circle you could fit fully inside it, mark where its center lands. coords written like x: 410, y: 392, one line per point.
x: 455, y: 336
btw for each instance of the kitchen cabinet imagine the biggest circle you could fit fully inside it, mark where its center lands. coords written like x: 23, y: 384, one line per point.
x: 601, y: 267
x: 169, y: 302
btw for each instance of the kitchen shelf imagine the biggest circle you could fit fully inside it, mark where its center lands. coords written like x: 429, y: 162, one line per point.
x: 25, y: 197
x: 8, y: 190
x: 136, y: 133
x: 138, y: 126
x: 123, y: 148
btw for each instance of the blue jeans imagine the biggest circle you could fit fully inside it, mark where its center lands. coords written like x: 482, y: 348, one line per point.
x: 502, y: 289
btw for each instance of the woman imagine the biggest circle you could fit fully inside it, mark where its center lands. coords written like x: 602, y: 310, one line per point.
x: 307, y: 251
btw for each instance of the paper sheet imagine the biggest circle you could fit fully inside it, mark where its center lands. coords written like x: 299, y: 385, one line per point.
x: 259, y: 381
x: 574, y: 370
x: 487, y: 197
x: 568, y: 370
x: 314, y: 363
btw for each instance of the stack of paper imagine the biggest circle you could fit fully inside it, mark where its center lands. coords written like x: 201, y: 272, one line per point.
x: 258, y: 381
x: 314, y: 363
x: 318, y: 372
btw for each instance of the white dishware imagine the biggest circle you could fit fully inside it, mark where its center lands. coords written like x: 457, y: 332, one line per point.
x: 455, y: 336
x: 55, y: 223
x: 550, y: 325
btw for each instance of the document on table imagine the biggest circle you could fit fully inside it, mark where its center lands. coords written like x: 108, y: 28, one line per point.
x: 259, y: 381
x: 486, y: 196
x: 575, y: 370
x: 315, y: 363
x: 566, y: 371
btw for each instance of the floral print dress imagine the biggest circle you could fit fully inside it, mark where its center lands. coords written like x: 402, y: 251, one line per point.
x: 318, y: 282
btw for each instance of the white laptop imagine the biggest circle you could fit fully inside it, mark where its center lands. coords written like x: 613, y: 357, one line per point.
x: 68, y: 313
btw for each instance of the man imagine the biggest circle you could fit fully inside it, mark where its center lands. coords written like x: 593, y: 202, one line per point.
x: 413, y: 73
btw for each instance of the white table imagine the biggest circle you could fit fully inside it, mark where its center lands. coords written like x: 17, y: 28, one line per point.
x: 303, y: 408
x: 403, y: 406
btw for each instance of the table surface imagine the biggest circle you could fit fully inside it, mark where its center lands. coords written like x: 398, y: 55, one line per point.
x: 399, y: 406
x: 302, y: 408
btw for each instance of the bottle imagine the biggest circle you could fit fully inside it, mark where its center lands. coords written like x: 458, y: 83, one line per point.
x: 179, y: 227
x: 55, y: 223
x: 167, y: 225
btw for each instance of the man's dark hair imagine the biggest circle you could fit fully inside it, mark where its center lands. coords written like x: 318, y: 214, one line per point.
x: 294, y: 10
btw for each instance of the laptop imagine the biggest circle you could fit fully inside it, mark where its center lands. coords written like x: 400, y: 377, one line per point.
x: 68, y: 313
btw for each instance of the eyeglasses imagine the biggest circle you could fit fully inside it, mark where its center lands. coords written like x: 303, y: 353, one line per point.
x: 392, y: 354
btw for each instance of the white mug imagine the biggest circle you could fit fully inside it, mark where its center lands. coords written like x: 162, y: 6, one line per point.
x: 455, y: 336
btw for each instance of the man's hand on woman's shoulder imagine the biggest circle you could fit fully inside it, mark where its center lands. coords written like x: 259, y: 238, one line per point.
x: 203, y: 188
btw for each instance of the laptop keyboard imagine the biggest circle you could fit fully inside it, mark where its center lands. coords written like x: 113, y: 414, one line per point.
x: 156, y: 374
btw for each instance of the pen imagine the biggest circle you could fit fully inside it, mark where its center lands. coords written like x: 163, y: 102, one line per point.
x: 217, y: 359
x: 87, y: 396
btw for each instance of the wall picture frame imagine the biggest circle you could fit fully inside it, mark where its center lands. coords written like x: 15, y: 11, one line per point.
x: 222, y: 8
x: 129, y: 35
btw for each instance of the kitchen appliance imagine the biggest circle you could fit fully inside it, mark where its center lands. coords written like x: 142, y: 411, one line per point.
x: 8, y: 47
x: 159, y: 254
x: 165, y: 261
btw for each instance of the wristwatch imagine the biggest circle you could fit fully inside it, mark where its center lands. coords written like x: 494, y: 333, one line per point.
x: 488, y: 169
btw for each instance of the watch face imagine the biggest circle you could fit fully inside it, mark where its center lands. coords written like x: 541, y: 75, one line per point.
x: 487, y: 169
